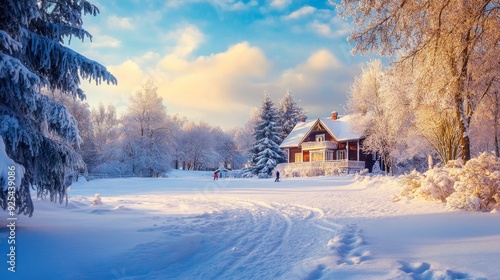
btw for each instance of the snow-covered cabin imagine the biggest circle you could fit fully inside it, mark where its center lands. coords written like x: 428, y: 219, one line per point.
x: 326, y: 140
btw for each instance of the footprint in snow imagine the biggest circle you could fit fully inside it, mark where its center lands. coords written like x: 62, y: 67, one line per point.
x: 423, y: 271
x: 348, y: 245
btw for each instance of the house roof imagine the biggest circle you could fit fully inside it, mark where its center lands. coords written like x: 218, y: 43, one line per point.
x: 339, y: 128
x: 299, y: 132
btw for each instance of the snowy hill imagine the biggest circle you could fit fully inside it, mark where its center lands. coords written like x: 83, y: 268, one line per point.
x: 188, y: 226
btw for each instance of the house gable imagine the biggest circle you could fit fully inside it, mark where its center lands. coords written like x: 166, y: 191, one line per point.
x: 318, y: 131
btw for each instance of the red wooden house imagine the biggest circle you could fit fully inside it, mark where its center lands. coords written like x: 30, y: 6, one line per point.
x: 326, y: 143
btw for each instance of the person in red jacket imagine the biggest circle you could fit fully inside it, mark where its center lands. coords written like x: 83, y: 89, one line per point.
x: 216, y: 175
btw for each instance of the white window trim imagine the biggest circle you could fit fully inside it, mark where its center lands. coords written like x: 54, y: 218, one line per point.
x: 320, y: 138
x: 341, y: 152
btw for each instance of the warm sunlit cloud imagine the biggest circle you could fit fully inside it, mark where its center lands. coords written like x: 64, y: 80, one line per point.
x: 220, y: 84
x: 222, y: 87
x: 320, y: 82
x: 196, y: 87
x: 211, y: 85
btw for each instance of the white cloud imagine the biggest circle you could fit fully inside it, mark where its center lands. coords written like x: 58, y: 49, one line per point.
x: 188, y: 38
x: 221, y: 88
x: 122, y: 23
x: 101, y: 41
x: 319, y: 61
x: 340, y: 28
x: 306, y: 10
x: 320, y: 82
x: 104, y: 41
x: 280, y: 4
x: 214, y: 88
x: 321, y: 28
x: 213, y: 83
x: 148, y: 58
x: 238, y: 6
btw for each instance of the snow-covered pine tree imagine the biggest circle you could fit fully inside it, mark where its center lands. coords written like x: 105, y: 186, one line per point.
x: 289, y: 114
x: 266, y: 153
x: 38, y: 131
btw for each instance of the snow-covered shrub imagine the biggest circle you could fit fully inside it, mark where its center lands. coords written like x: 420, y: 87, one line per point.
x: 473, y: 186
x: 437, y: 184
x: 478, y: 187
x: 97, y: 199
x: 411, y: 183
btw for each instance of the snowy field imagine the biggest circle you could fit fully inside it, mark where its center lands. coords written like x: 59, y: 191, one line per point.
x: 189, y: 226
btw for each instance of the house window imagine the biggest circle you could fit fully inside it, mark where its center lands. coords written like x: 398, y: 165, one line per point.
x: 298, y: 157
x: 317, y: 156
x: 320, y: 138
x: 329, y: 155
x: 341, y: 155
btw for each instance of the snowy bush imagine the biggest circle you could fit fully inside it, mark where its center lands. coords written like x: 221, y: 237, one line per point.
x: 97, y: 199
x: 437, y: 184
x: 479, y: 186
x: 410, y: 183
x: 473, y: 186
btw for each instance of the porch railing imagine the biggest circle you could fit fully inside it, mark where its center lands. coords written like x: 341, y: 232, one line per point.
x: 319, y: 145
x: 318, y: 168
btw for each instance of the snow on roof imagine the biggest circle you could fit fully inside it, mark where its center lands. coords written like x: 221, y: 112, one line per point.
x: 339, y: 128
x: 298, y: 133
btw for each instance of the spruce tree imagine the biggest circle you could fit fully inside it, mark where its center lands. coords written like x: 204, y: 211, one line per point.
x: 39, y: 133
x: 266, y: 153
x: 289, y: 114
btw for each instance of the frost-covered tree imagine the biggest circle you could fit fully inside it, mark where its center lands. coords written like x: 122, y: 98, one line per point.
x: 80, y: 110
x: 146, y: 132
x: 368, y: 102
x: 389, y: 115
x: 289, y: 114
x: 39, y: 133
x: 107, y: 140
x: 485, y: 131
x: 224, y: 147
x: 459, y: 37
x: 244, y: 137
x: 266, y: 153
x: 197, y: 146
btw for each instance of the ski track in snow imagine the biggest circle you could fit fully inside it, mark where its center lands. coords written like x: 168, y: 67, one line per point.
x: 225, y: 232
x: 245, y: 239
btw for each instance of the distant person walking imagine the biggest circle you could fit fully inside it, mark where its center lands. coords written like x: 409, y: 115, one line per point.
x: 216, y: 175
x: 277, y: 176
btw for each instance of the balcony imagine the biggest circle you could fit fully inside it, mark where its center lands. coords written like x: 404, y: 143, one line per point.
x: 319, y: 145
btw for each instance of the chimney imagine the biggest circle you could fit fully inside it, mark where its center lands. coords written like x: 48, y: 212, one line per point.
x: 334, y: 115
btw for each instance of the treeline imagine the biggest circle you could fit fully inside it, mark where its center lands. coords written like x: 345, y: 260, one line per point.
x: 146, y: 141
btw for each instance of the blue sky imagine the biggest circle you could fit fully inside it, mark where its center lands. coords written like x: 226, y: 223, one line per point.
x: 212, y: 60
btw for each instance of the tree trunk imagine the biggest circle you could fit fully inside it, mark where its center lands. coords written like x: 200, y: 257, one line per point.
x: 463, y: 102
